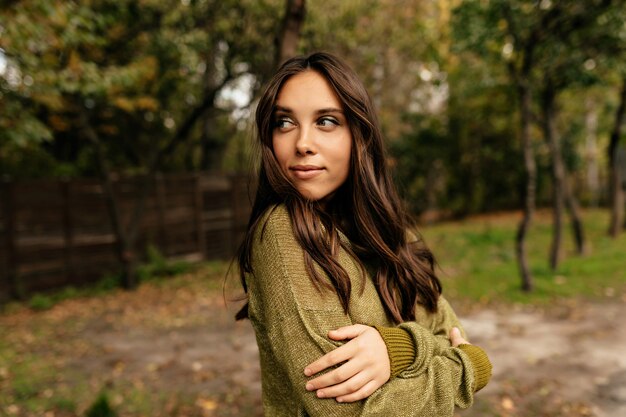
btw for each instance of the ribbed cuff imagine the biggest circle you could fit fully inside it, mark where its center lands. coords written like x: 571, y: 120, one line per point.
x: 400, y: 347
x: 481, y: 363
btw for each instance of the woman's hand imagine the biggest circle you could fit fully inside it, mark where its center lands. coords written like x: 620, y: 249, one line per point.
x: 456, y: 339
x: 366, y: 365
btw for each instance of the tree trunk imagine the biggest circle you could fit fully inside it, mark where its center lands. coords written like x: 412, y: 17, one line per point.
x: 591, y: 150
x: 211, y: 145
x: 123, y: 243
x: 563, y: 194
x: 287, y: 39
x: 531, y: 175
x: 558, y: 171
x: 573, y: 207
x: 616, y: 182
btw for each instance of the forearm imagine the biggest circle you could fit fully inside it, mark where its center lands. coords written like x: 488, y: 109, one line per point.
x: 402, y: 354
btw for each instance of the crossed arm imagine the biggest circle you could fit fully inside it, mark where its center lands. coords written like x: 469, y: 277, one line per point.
x: 365, y: 364
x: 292, y: 337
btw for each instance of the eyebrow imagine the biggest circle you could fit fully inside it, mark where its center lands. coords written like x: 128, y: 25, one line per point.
x: 326, y: 110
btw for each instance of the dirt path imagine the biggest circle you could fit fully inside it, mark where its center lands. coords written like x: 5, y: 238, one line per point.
x: 182, y: 346
x: 568, y: 361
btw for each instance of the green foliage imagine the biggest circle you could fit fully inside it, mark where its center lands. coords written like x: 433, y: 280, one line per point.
x: 108, y: 282
x: 439, y: 77
x: 157, y: 266
x: 101, y: 407
x: 568, y: 45
x: 135, y: 73
x: 41, y: 302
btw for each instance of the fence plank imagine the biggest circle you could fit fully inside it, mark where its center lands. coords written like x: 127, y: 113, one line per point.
x: 200, y: 235
x: 8, y: 199
x: 160, y: 198
x: 55, y: 233
x: 68, y: 230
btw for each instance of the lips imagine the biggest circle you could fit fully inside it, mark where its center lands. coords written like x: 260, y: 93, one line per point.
x: 304, y: 172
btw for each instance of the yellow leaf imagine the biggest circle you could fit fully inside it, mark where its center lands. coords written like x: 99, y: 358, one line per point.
x: 206, y: 404
x: 149, y: 67
x: 52, y: 101
x: 147, y: 103
x: 507, y: 404
x: 74, y: 63
x: 124, y: 104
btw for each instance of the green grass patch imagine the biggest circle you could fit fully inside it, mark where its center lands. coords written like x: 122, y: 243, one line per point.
x: 156, y: 269
x: 478, y: 262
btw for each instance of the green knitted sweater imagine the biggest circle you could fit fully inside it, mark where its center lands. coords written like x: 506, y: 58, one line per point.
x: 291, y: 319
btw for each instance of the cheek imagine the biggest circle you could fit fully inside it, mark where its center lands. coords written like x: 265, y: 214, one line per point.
x: 345, y: 156
x: 280, y: 151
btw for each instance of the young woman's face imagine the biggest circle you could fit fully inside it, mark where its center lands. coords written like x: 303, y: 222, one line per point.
x: 311, y: 136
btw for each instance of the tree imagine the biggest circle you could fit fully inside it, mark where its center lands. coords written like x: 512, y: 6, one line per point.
x: 134, y: 81
x: 287, y: 38
x: 526, y: 36
x: 616, y: 182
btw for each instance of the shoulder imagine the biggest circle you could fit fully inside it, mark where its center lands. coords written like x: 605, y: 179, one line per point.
x: 274, y: 236
x: 274, y: 221
x: 276, y: 214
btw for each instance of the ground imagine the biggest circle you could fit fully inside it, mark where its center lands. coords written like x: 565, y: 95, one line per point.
x: 173, y: 348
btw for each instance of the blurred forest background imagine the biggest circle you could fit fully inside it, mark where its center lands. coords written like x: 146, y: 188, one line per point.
x: 486, y: 105
x: 491, y: 108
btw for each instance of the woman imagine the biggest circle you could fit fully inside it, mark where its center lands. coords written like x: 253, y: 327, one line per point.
x: 342, y: 296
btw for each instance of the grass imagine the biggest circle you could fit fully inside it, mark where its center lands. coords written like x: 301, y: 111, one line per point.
x: 155, y: 268
x: 477, y: 259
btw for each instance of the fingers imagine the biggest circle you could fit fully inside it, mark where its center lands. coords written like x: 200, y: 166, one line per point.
x: 357, y: 387
x: 341, y: 381
x: 332, y: 358
x: 353, y: 388
x: 365, y: 391
x: 364, y: 369
x: 341, y: 354
x: 456, y: 339
x: 347, y: 332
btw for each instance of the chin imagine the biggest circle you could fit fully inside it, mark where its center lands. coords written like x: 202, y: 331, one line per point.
x: 312, y: 195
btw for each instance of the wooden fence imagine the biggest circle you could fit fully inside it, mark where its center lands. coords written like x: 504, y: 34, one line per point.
x: 57, y: 233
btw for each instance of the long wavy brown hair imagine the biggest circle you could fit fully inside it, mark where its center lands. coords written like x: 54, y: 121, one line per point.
x: 366, y: 209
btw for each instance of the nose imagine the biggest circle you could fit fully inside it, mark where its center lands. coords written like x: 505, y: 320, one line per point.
x: 305, y: 144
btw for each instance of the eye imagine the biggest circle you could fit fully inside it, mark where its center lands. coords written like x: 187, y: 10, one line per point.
x: 283, y: 123
x: 328, y: 122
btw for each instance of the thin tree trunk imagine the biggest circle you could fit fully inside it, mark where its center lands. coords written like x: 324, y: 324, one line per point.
x: 212, y: 146
x: 287, y: 39
x: 529, y: 198
x: 558, y: 171
x: 123, y: 244
x: 591, y: 145
x: 573, y: 207
x: 562, y: 192
x: 616, y: 182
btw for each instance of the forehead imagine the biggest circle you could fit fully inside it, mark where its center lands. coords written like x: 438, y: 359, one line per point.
x: 307, y: 90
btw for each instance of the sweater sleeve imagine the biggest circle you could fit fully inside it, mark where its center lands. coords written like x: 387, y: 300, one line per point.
x: 402, y: 352
x: 294, y: 335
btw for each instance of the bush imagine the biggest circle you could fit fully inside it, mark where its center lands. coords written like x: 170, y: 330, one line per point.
x: 158, y: 266
x: 101, y: 408
x: 41, y: 302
